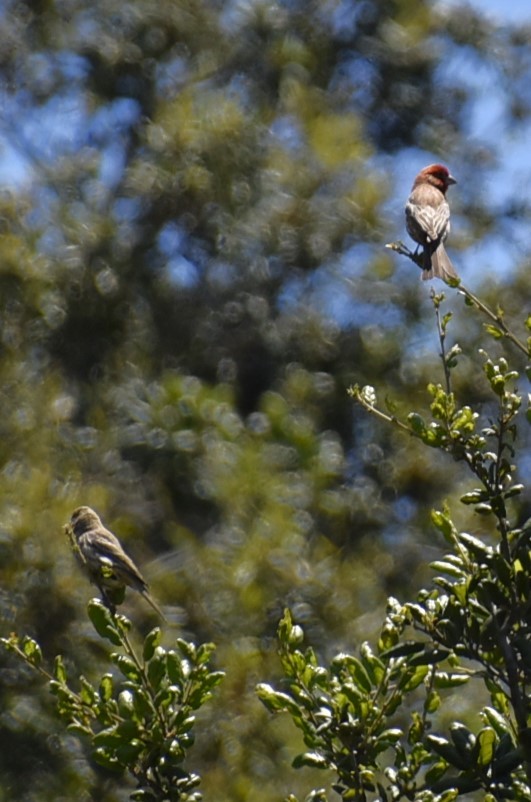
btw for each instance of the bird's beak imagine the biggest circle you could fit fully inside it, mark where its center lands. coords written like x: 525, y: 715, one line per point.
x: 451, y: 180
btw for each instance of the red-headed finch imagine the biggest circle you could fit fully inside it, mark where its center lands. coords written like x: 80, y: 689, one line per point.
x: 428, y: 220
x: 107, y: 564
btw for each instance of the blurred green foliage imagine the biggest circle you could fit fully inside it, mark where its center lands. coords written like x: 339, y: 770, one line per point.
x: 192, y: 274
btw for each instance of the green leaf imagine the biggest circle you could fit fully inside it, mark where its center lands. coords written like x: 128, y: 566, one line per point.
x: 487, y: 742
x: 514, y: 490
x: 463, y: 738
x: 357, y: 672
x: 107, y: 759
x: 433, y: 702
x: 59, y: 670
x: 290, y: 635
x: 117, y: 735
x: 128, y: 752
x: 449, y: 796
x: 484, y: 509
x: 476, y: 546
x: 447, y: 751
x: 187, y: 649
x: 388, y: 638
x: 435, y: 772
x: 444, y: 679
x: 498, y: 722
x: 88, y: 694
x: 448, y: 568
x: 284, y: 626
x: 474, y: 497
x: 417, y: 423
x: 416, y: 730
x: 429, y: 656
x: 498, y: 698
x: 103, y: 622
x: 275, y: 701
x: 494, y: 331
x: 32, y: 651
x: 108, y: 737
x: 126, y: 706
x: 204, y: 692
x: 167, y: 696
x: 312, y: 759
x: 316, y: 795
x: 151, y: 641
x: 390, y: 736
x: 127, y: 666
x: 503, y: 569
x: 159, y: 665
x: 106, y: 688
x: 445, y: 526
x: 372, y: 664
x: 464, y: 421
x: 508, y: 763
x: 79, y: 729
x: 142, y: 704
x: 414, y: 679
x: 204, y: 653
x: 445, y: 320
x: 404, y: 649
x: 66, y: 699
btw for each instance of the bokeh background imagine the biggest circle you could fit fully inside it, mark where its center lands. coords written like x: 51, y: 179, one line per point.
x: 194, y: 202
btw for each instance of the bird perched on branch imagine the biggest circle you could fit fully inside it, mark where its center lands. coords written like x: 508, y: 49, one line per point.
x: 428, y: 220
x: 103, y: 557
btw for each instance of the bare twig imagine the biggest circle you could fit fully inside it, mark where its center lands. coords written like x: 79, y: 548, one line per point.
x: 403, y: 250
x: 357, y: 394
x: 441, y: 331
x: 496, y: 317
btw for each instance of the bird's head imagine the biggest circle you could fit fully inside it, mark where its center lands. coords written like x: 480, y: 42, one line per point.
x: 84, y: 519
x: 437, y: 175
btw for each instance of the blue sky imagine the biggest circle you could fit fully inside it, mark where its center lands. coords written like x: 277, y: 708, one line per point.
x: 502, y: 10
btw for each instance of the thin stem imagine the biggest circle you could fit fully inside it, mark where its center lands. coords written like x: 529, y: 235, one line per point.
x: 403, y: 250
x: 20, y: 653
x: 518, y: 701
x: 355, y: 393
x: 441, y: 330
x: 503, y: 524
x: 128, y: 646
x: 496, y: 318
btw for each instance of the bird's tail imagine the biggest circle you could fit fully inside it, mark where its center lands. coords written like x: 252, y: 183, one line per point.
x: 147, y: 596
x: 441, y: 266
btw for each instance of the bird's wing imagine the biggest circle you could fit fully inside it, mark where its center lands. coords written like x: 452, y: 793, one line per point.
x: 106, y: 548
x: 433, y: 220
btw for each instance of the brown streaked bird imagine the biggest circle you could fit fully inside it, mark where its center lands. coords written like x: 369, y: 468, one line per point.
x: 428, y: 220
x: 107, y: 564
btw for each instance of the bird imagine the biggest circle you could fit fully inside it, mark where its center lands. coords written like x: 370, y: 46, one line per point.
x: 428, y: 220
x: 107, y: 564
